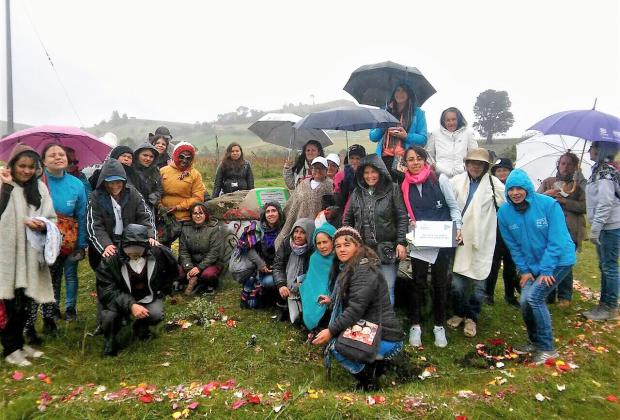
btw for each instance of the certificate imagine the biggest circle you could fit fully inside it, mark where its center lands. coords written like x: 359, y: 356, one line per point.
x: 433, y: 234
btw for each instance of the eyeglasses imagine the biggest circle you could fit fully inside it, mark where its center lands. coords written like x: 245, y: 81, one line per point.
x: 186, y: 157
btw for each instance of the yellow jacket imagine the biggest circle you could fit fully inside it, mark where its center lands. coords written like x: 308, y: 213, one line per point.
x: 181, y: 193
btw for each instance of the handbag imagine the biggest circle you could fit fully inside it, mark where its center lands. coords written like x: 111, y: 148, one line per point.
x: 386, y: 252
x: 360, y: 342
x: 240, y: 265
x: 68, y: 227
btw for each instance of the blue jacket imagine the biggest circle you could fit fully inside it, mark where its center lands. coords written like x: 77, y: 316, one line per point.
x: 538, y: 238
x: 69, y: 198
x: 416, y: 133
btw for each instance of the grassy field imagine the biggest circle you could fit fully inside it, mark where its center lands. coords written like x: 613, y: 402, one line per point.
x: 218, y: 370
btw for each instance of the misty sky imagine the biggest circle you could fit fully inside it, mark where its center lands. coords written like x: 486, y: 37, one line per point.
x: 191, y: 60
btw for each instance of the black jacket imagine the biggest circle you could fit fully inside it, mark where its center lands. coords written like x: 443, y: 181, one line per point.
x: 268, y: 253
x: 382, y: 216
x: 100, y: 219
x: 113, y: 289
x: 367, y: 297
x: 149, y: 177
x: 225, y: 180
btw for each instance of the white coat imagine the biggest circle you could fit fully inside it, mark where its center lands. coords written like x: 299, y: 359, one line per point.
x: 448, y: 149
x: 473, y: 259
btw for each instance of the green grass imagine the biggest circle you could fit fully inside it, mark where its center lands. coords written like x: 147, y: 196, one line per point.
x: 281, y: 362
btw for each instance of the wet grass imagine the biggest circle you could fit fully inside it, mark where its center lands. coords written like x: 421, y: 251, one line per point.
x: 280, y: 362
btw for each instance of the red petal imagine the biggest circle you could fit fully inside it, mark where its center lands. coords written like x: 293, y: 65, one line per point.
x: 612, y: 398
x: 238, y: 404
x: 253, y: 399
x: 146, y: 398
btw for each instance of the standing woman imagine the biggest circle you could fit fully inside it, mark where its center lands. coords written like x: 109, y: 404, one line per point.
x: 449, y: 145
x: 412, y: 130
x: 144, y: 164
x: 603, y: 202
x: 358, y: 292
x: 182, y: 186
x: 161, y: 141
x: 234, y: 173
x: 428, y: 197
x: 344, y: 181
x: 302, y: 167
x: 376, y: 210
x: 69, y: 199
x: 22, y: 278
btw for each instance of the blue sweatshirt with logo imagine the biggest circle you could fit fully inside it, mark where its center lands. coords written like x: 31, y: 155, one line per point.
x: 537, y: 238
x: 69, y: 198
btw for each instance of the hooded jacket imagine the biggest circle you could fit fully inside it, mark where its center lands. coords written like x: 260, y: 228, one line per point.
x: 233, y: 179
x: 283, y: 252
x: 380, y: 216
x: 199, y: 245
x: 603, y: 198
x: 448, y: 149
x: 113, y: 284
x: 131, y: 175
x: 537, y: 238
x: 151, y: 178
x: 416, y: 132
x: 100, y: 220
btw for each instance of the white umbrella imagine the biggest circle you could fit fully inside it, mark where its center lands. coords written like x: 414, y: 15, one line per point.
x: 538, y: 155
x: 277, y: 128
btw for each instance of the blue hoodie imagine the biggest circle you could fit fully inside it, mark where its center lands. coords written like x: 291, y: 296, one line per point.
x: 416, y: 132
x: 69, y: 198
x: 537, y: 238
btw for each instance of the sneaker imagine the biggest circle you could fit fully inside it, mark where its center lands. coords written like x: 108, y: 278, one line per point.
x: 415, y: 336
x: 440, y: 336
x: 18, y: 358
x: 593, y: 312
x: 454, y: 322
x: 470, y: 328
x: 524, y: 348
x: 30, y: 352
x: 605, y: 313
x: 542, y: 356
x: 70, y: 314
x: 564, y: 304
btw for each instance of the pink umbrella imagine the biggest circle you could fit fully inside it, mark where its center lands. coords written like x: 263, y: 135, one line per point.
x: 88, y: 148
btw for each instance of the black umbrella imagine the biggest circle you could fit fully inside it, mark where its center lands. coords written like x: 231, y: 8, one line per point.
x: 373, y: 84
x: 348, y: 118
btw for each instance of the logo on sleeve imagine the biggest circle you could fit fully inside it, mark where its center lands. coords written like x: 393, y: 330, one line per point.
x: 541, y: 223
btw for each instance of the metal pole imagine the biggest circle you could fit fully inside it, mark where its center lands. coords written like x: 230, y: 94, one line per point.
x: 9, y: 72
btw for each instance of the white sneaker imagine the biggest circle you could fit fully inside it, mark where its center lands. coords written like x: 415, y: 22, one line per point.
x: 30, y: 352
x: 440, y: 336
x: 415, y: 336
x: 17, y: 358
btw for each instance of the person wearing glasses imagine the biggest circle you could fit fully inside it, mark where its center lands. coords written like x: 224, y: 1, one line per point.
x: 182, y: 185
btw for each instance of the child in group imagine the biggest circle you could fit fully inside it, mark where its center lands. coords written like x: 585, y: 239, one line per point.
x: 501, y: 169
x: 316, y: 281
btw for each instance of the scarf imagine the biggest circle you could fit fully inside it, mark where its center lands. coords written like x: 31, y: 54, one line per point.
x: 420, y: 178
x: 249, y: 236
x: 314, y: 285
x: 269, y: 236
x: 295, y: 264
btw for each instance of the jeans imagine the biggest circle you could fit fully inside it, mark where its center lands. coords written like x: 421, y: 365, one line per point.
x: 535, y: 312
x: 387, y: 350
x: 565, y: 288
x: 468, y: 296
x: 266, y: 280
x: 389, y: 273
x: 608, y: 264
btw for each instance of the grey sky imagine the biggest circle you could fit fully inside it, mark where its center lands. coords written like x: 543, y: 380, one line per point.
x: 190, y: 60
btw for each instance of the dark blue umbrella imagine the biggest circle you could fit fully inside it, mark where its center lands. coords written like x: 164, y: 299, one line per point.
x: 348, y: 118
x: 588, y: 124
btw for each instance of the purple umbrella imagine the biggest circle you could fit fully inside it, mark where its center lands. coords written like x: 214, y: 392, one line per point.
x: 588, y: 124
x: 89, y: 149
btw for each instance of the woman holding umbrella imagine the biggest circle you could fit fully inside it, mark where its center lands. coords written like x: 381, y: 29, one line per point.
x: 394, y: 141
x: 302, y: 167
x: 603, y: 206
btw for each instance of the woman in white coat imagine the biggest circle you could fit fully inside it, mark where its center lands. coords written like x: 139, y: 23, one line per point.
x: 478, y: 194
x: 449, y: 144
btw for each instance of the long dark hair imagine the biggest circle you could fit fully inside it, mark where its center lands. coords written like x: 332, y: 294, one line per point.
x: 31, y: 187
x: 460, y: 119
x: 228, y: 163
x: 408, y: 112
x: 363, y: 253
x: 301, y: 159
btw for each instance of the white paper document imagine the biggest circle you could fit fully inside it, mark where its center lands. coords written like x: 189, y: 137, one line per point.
x: 433, y: 234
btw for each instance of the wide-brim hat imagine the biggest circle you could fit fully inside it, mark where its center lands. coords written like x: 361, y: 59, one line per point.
x: 480, y: 154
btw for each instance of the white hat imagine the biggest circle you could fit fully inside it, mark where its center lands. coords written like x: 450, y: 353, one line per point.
x: 333, y: 157
x: 321, y: 160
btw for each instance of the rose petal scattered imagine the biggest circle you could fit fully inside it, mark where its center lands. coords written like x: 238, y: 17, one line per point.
x: 17, y: 375
x: 237, y: 404
x: 612, y: 398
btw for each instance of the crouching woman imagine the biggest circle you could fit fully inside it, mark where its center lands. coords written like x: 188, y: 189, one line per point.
x: 133, y: 282
x: 359, y: 291
x: 535, y: 232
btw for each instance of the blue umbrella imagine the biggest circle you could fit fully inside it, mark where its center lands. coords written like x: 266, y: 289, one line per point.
x: 588, y: 124
x: 348, y: 118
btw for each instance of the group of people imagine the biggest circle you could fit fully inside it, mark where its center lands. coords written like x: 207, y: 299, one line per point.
x: 329, y: 259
